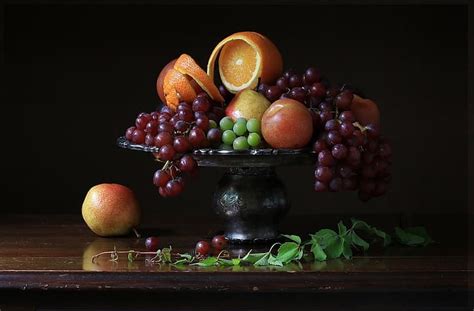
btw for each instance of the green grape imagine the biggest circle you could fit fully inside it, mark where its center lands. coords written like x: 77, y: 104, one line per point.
x: 225, y: 147
x: 253, y: 126
x: 228, y: 137
x: 240, y: 143
x: 254, y: 139
x: 241, y: 120
x: 212, y: 124
x: 226, y: 123
x: 240, y: 128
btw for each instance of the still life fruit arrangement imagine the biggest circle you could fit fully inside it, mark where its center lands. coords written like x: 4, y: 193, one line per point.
x: 260, y: 106
x: 257, y: 106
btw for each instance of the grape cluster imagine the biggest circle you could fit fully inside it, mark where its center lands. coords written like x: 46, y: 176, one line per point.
x: 307, y: 88
x: 176, y: 133
x: 350, y: 156
x: 240, y: 135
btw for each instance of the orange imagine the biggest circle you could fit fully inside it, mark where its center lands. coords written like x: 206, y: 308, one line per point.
x: 161, y: 79
x: 244, y: 59
x: 185, y: 64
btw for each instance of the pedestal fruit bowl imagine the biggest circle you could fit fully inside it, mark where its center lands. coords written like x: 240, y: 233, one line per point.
x: 258, y: 119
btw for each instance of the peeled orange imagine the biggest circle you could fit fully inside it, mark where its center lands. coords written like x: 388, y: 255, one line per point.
x: 161, y: 79
x: 244, y: 59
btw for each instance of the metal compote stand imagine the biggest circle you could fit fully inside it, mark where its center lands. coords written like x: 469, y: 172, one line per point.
x: 249, y: 197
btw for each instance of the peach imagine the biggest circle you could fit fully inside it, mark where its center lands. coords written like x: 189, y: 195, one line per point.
x: 111, y: 210
x: 365, y: 111
x: 287, y: 124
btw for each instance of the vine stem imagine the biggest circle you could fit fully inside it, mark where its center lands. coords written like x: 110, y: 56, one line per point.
x: 126, y: 252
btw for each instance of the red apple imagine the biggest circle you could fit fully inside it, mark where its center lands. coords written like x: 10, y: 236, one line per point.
x: 287, y: 124
x: 365, y: 111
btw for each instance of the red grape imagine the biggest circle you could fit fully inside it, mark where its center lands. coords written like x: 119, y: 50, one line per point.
x: 201, y: 104
x: 202, y: 248
x: 149, y: 140
x: 163, y: 138
x: 295, y: 80
x: 273, y: 93
x: 187, y: 163
x: 166, y: 153
x: 320, y: 186
x: 129, y: 133
x: 151, y: 243
x: 323, y: 173
x: 161, y: 178
x: 138, y: 136
x: 203, y: 123
x: 181, y: 144
x: 196, y: 137
x: 311, y: 76
x: 173, y: 188
x: 219, y: 242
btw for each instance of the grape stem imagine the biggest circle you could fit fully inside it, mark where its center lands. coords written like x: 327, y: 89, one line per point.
x: 138, y: 235
x: 359, y: 126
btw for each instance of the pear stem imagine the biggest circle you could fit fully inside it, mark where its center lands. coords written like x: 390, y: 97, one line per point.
x: 136, y: 233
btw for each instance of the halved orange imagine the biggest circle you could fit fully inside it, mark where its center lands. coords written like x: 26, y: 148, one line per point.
x: 185, y: 64
x: 244, y: 59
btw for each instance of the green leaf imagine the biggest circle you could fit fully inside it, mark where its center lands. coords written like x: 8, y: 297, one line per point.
x: 300, y: 254
x: 235, y: 261
x: 342, y: 228
x: 318, y: 252
x: 166, y: 253
x: 294, y: 238
x: 335, y: 249
x: 274, y: 261
x: 360, y: 224
x: 387, y: 239
x: 184, y: 259
x: 263, y: 261
x: 357, y: 240
x: 287, y: 252
x: 420, y: 231
x: 253, y: 257
x: 208, y: 262
x: 407, y: 238
x: 325, y: 237
x: 347, y: 251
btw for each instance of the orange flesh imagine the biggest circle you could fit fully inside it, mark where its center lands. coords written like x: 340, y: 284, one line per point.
x: 237, y: 62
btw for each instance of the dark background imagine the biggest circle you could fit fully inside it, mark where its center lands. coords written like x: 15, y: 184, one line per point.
x: 77, y: 76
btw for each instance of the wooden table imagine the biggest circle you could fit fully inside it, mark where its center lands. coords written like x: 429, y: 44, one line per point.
x: 45, y: 262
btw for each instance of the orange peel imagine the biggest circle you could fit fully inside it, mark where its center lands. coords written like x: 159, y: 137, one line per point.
x: 186, y: 65
x: 176, y: 88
